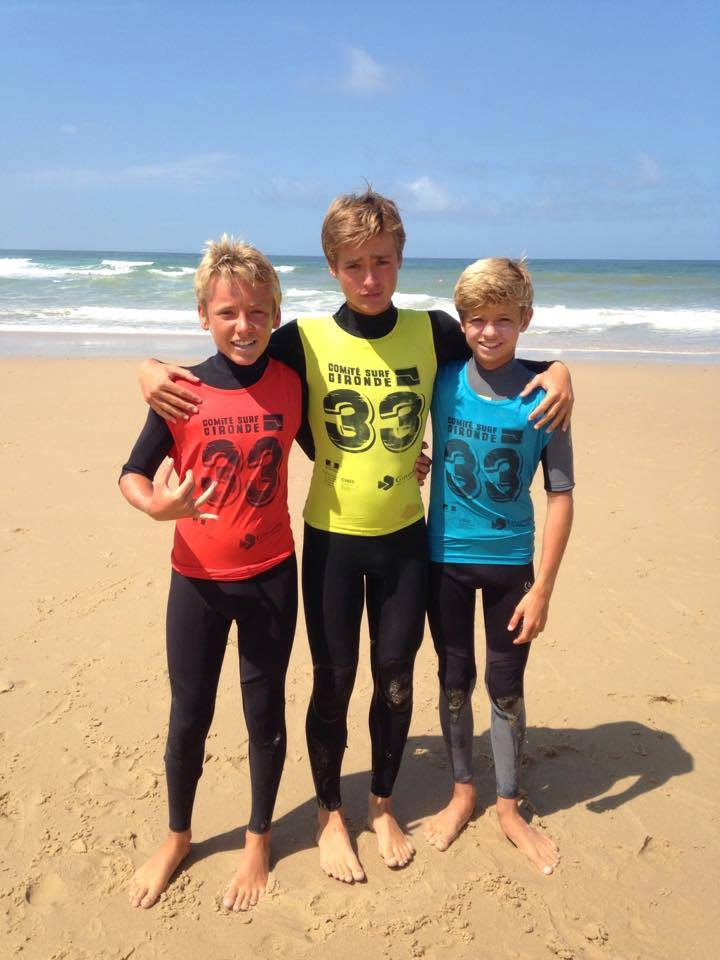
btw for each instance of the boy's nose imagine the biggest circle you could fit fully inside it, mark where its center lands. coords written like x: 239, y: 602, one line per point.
x: 242, y: 323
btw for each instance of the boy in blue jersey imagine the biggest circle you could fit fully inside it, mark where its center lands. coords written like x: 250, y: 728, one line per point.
x: 481, y: 533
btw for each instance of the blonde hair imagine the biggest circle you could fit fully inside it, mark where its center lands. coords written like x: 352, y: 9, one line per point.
x: 493, y: 280
x: 234, y: 260
x: 355, y: 218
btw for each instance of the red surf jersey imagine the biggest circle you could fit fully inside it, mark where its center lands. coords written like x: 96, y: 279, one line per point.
x: 241, y: 439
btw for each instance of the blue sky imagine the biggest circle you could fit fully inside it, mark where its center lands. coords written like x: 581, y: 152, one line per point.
x: 560, y: 129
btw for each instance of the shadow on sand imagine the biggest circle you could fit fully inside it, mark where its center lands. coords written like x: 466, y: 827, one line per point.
x: 563, y: 767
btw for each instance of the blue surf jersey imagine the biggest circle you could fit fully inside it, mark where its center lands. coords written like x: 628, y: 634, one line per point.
x: 485, y: 455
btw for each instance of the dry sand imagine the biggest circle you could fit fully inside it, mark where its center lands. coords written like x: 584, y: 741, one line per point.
x: 623, y: 695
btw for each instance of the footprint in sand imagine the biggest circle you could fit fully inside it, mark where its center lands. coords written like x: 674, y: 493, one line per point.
x: 48, y: 891
x: 656, y: 850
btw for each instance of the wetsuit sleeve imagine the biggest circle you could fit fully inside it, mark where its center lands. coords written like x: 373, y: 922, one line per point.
x: 557, y: 463
x: 151, y: 447
x: 448, y: 338
x: 535, y: 366
x: 286, y: 346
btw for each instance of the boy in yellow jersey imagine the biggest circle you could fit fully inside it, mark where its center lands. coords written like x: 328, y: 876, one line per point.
x: 369, y: 371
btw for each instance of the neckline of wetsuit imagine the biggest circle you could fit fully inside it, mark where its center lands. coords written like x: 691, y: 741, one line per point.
x: 500, y: 384
x: 219, y: 371
x: 364, y: 326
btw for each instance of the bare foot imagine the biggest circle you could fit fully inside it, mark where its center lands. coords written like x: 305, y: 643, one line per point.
x: 154, y: 875
x: 395, y: 848
x: 444, y: 827
x: 250, y: 880
x: 538, y: 848
x: 337, y: 857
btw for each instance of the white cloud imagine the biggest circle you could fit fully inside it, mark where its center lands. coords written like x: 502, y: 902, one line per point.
x: 366, y: 75
x: 68, y: 128
x: 198, y: 169
x: 648, y: 169
x: 425, y: 195
x: 188, y: 171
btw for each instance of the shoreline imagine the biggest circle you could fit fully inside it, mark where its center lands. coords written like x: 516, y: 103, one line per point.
x: 183, y: 346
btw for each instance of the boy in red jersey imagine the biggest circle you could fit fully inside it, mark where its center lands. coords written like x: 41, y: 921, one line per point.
x: 233, y: 556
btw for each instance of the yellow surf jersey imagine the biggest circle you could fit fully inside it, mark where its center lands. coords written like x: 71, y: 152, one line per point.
x: 368, y: 403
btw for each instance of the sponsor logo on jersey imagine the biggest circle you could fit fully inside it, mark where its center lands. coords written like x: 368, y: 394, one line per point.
x: 273, y: 421
x: 386, y: 483
x: 407, y: 377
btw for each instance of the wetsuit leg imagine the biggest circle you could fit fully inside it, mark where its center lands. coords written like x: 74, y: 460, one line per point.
x: 502, y: 589
x: 451, y: 614
x: 196, y: 639
x: 397, y: 574
x: 266, y: 627
x: 200, y: 613
x: 333, y: 596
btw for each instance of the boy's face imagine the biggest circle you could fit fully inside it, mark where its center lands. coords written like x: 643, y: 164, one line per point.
x: 240, y: 317
x: 492, y: 332
x: 368, y: 273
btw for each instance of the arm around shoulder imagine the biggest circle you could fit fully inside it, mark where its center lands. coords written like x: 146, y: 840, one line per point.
x: 556, y: 409
x: 161, y: 391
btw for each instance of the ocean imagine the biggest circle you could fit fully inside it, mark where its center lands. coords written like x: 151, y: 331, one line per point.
x: 82, y: 303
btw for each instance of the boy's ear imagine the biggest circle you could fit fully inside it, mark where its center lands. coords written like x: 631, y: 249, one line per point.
x: 527, y: 317
x: 333, y: 271
x: 276, y: 321
x: 202, y: 313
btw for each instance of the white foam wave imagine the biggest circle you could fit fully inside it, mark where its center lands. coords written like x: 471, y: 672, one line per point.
x: 284, y: 268
x: 423, y: 301
x: 107, y: 319
x: 125, y: 266
x: 101, y: 329
x: 297, y: 292
x: 23, y: 268
x: 173, y: 272
x: 561, y: 318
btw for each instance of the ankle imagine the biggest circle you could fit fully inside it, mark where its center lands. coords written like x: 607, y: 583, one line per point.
x: 379, y: 805
x: 331, y: 817
x: 179, y: 838
x: 254, y: 840
x: 507, y: 808
x: 464, y: 793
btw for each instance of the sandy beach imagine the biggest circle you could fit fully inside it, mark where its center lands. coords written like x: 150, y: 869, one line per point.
x: 623, y: 695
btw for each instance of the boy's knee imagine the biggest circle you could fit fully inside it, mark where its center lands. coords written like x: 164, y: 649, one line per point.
x: 457, y: 675
x: 332, y: 687
x: 505, y: 683
x: 511, y: 707
x: 395, y: 683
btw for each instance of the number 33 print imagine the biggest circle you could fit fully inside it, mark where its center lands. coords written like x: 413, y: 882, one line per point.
x: 350, y: 420
x: 500, y: 467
